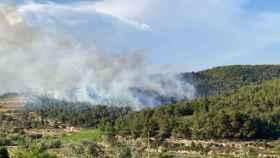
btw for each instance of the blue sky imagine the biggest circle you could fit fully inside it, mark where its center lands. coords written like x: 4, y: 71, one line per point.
x: 174, y: 35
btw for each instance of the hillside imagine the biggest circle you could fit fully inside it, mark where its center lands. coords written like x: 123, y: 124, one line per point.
x: 238, y: 114
x: 207, y: 83
x: 12, y: 101
x: 241, y: 122
x: 249, y: 112
x: 226, y: 78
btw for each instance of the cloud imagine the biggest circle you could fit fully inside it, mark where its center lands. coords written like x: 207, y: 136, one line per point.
x: 75, y: 7
x: 183, y: 33
x: 220, y: 29
x: 124, y: 9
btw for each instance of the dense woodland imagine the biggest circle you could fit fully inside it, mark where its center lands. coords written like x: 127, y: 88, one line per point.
x: 246, y: 105
x: 250, y: 112
x: 226, y: 78
x: 233, y: 102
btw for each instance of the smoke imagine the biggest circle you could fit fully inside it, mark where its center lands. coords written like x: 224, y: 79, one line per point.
x: 35, y: 60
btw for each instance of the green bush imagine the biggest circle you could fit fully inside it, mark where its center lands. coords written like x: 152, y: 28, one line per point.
x: 54, y: 144
x: 86, y: 149
x: 125, y: 152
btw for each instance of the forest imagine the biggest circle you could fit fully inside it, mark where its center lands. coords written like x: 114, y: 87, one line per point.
x: 240, y: 102
x: 232, y: 103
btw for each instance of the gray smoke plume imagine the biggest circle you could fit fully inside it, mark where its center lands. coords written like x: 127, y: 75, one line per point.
x: 33, y: 60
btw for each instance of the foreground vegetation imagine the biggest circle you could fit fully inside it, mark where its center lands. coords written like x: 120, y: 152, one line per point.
x: 90, y: 143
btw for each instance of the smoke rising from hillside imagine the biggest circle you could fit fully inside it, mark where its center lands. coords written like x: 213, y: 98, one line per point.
x: 34, y: 60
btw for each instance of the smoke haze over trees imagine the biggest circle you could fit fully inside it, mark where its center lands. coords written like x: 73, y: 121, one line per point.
x: 38, y: 60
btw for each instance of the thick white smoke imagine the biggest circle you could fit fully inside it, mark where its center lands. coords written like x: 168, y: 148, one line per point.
x: 33, y: 60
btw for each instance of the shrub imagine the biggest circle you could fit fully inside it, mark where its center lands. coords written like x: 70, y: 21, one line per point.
x: 55, y: 143
x: 124, y: 152
x: 86, y: 149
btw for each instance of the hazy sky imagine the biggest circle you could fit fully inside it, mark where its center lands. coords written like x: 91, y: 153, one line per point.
x: 175, y: 35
